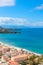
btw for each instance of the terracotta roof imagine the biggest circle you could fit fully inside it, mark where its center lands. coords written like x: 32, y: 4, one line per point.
x: 13, y: 62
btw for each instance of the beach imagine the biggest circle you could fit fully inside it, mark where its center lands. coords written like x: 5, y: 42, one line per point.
x: 28, y: 51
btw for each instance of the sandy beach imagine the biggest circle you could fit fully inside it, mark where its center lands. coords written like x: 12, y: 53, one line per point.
x: 19, y: 48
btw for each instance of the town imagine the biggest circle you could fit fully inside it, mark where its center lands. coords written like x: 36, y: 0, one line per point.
x: 15, y: 56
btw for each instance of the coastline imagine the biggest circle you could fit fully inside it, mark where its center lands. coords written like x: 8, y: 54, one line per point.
x: 18, y: 48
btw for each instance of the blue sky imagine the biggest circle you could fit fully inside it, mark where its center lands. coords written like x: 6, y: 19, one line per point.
x: 21, y: 13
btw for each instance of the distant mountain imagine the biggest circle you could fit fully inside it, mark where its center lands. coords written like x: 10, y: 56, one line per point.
x: 12, y: 26
x: 9, y: 26
x: 1, y: 27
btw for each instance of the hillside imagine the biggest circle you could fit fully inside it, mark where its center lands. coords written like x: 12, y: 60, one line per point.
x: 9, y: 30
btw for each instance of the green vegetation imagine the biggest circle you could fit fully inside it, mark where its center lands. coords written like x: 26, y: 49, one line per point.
x: 23, y: 63
x: 35, y: 60
x: 1, y: 54
x: 32, y: 57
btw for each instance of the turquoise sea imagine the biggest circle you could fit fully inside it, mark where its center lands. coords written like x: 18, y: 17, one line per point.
x: 29, y: 38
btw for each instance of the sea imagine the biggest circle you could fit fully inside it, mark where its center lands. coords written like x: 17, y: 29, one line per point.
x: 29, y: 38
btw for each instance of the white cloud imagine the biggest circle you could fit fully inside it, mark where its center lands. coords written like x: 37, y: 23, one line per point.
x: 12, y: 21
x: 7, y: 3
x: 39, y: 7
x: 19, y: 22
x: 35, y: 24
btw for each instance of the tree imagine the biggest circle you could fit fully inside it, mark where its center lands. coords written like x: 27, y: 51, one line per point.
x: 23, y: 63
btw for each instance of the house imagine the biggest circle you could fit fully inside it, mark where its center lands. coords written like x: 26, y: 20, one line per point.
x: 19, y: 58
x: 13, y: 62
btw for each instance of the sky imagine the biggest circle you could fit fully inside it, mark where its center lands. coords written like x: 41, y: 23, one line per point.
x: 27, y: 13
